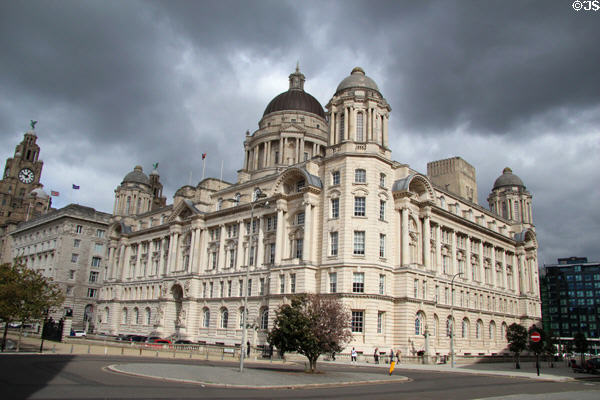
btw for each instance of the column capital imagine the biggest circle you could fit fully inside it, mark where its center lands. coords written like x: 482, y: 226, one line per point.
x: 281, y: 205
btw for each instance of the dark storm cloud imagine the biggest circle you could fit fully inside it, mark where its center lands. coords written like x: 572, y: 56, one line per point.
x: 120, y: 83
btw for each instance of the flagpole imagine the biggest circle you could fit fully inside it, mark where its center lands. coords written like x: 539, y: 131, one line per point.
x: 203, y: 166
x: 221, y: 170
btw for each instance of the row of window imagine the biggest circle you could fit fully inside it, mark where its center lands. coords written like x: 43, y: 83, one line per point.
x: 360, y: 176
x: 358, y: 244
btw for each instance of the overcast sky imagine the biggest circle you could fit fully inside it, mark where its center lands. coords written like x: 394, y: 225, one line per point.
x: 114, y: 84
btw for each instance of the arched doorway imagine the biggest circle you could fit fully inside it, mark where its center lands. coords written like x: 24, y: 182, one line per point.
x: 177, y: 292
x: 88, y: 318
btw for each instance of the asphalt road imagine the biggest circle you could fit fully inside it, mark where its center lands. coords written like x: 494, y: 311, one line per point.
x: 86, y: 377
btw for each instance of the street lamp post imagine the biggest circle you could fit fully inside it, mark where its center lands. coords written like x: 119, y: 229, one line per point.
x: 452, y: 318
x: 258, y: 194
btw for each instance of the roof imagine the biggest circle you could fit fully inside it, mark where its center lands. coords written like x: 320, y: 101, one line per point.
x: 295, y: 100
x: 137, y: 176
x: 357, y: 79
x: 508, y: 179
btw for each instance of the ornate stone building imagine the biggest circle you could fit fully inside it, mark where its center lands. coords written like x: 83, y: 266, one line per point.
x: 21, y: 194
x: 69, y: 246
x: 403, y: 250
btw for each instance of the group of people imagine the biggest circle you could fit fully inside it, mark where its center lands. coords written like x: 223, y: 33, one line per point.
x: 377, y: 355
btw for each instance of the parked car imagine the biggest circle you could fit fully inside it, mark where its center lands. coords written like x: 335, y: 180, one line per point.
x: 123, y: 338
x: 158, y: 342
x: 182, y: 341
x: 137, y: 338
x: 77, y: 332
x: 152, y: 339
x: 592, y: 365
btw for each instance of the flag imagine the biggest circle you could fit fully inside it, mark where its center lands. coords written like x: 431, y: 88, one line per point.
x: 203, y: 156
x: 53, y: 193
x: 76, y: 187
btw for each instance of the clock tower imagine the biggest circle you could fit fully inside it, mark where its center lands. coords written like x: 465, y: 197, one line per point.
x: 21, y: 194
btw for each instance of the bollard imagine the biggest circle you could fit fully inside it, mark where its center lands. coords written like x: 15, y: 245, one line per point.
x: 54, y: 348
x: 140, y: 351
x: 71, y: 349
x: 122, y: 350
x: 89, y: 348
x: 105, y: 350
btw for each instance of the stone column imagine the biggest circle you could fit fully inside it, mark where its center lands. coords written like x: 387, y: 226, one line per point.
x: 438, y: 249
x: 255, y: 149
x: 281, y: 147
x: 504, y: 277
x: 493, y: 262
x: 195, y: 260
x: 468, y: 266
x: 346, y: 118
x: 405, y: 236
x: 221, y: 251
x: 239, y: 259
x: 280, y: 234
x: 384, y: 136
x: 427, y: 238
x: 454, y: 259
x: 332, y: 128
x: 260, y: 242
x: 351, y: 124
x: 122, y: 261
x: 481, y: 257
x: 308, y: 231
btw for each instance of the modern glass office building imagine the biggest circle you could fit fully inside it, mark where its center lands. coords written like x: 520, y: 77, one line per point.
x: 570, y: 292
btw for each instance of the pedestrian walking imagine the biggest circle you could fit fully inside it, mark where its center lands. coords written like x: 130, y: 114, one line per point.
x: 376, y: 355
x: 353, y: 355
x: 391, y: 356
x: 398, y: 356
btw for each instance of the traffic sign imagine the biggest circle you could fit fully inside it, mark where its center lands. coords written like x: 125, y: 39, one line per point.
x: 535, y: 337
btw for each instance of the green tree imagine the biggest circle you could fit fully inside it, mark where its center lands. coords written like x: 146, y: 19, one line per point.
x: 581, y: 345
x: 25, y: 295
x: 311, y: 325
x: 516, y: 335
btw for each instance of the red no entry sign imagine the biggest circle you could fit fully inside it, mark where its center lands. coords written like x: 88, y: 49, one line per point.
x: 535, y: 337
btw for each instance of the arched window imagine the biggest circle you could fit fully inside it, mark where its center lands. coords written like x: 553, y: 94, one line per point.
x: 465, y: 328
x: 503, y: 331
x: 360, y: 136
x: 419, y: 323
x: 128, y: 205
x: 124, y: 316
x: 449, y: 326
x: 479, y: 329
x: 224, y: 318
x: 341, y: 128
x: 106, y: 314
x: 136, y: 316
x: 436, y: 325
x: 148, y: 316
x: 219, y: 204
x: 264, y: 319
x: 492, y: 330
x: 206, y: 318
x: 443, y: 202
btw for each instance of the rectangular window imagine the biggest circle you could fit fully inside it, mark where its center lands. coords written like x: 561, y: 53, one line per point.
x: 382, y: 180
x: 359, y: 128
x: 282, y: 283
x: 272, y: 253
x: 96, y: 261
x: 74, y: 257
x: 252, y: 251
x: 72, y: 274
x: 357, y: 321
x: 229, y: 288
x: 214, y: 260
x: 222, y: 289
x: 240, y: 288
x: 69, y: 290
x: 204, y: 289
x: 382, y: 210
x: 300, y: 185
x: 358, y: 282
x: 335, y: 208
x: 262, y: 286
x: 79, y: 229
x: 359, y: 242
x: 333, y: 241
x: 381, y: 245
x: 249, y: 287
x: 76, y: 243
x: 231, y: 258
x: 416, y: 289
x: 380, y: 321
x: 359, y: 207
x: 292, y: 283
x: 211, y: 291
x: 360, y: 176
x: 335, y: 178
x: 299, y: 248
x: 300, y: 218
x: 92, y: 292
x: 99, y: 233
x: 93, y: 277
x: 99, y: 248
x: 381, y: 284
x: 333, y: 282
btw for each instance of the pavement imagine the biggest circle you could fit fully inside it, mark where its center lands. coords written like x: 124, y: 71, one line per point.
x: 260, y: 373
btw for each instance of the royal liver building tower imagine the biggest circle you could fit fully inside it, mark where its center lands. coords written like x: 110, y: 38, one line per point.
x: 320, y: 206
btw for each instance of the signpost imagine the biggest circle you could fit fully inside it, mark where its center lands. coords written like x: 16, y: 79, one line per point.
x: 535, y: 338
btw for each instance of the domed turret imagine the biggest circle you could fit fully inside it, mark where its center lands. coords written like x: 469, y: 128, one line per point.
x: 295, y: 99
x: 510, y: 199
